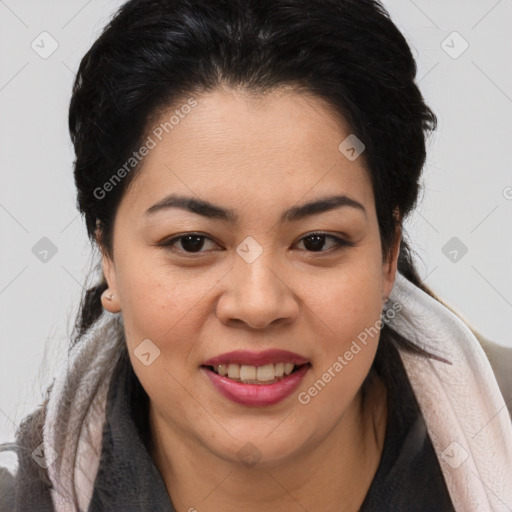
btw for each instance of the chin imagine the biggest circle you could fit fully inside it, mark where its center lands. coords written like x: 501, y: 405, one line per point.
x: 258, y: 447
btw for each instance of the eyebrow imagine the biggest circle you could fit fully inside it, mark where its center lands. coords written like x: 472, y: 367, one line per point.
x: 209, y: 210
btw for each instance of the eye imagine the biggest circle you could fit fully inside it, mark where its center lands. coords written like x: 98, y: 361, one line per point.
x: 190, y: 242
x: 315, y: 241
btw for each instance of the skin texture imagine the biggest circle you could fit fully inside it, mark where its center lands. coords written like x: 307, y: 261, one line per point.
x: 259, y: 157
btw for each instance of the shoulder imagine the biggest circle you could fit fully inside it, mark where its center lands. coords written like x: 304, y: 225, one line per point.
x: 500, y: 358
x: 24, y: 483
x: 21, y: 489
x: 8, y: 451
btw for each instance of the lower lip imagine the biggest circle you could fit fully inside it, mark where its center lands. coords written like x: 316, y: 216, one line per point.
x: 257, y: 394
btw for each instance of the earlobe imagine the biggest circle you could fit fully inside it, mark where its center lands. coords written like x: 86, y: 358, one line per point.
x: 110, y: 301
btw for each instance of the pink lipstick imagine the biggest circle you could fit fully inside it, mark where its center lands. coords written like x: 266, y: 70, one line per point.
x: 256, y: 378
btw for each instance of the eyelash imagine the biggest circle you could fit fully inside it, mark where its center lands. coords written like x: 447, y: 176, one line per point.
x: 340, y: 242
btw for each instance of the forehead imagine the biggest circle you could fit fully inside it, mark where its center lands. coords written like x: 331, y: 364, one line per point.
x: 281, y: 146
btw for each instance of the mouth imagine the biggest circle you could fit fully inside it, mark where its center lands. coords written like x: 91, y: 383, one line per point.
x: 256, y: 379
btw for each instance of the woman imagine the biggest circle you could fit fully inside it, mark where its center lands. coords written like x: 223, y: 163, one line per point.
x: 259, y: 338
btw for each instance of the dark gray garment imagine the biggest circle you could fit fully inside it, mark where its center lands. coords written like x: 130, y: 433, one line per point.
x: 127, y: 478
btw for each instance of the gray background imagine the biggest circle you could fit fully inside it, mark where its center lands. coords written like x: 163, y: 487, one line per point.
x: 466, y: 203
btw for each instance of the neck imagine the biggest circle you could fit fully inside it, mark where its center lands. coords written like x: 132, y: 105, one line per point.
x: 333, y: 475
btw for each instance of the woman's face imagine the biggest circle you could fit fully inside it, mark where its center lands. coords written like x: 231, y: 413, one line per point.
x: 255, y: 278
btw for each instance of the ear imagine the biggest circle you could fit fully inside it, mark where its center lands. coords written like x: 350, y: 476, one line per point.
x: 390, y: 266
x: 109, y: 271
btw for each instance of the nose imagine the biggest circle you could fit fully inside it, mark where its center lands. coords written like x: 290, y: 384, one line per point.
x: 257, y: 295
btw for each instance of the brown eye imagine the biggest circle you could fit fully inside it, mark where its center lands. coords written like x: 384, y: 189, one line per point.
x: 190, y: 243
x: 316, y: 241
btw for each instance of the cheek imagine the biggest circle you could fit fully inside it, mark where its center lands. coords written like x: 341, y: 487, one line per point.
x: 353, y: 316
x: 346, y: 351
x: 165, y: 308
x: 157, y: 299
x: 352, y: 299
x: 169, y: 307
x: 350, y: 307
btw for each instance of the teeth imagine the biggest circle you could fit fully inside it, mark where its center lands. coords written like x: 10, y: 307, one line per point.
x: 247, y: 372
x: 222, y: 369
x: 233, y: 371
x: 279, y: 369
x: 254, y: 374
x: 265, y: 372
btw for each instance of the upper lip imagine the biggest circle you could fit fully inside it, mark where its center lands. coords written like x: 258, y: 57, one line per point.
x: 272, y: 356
